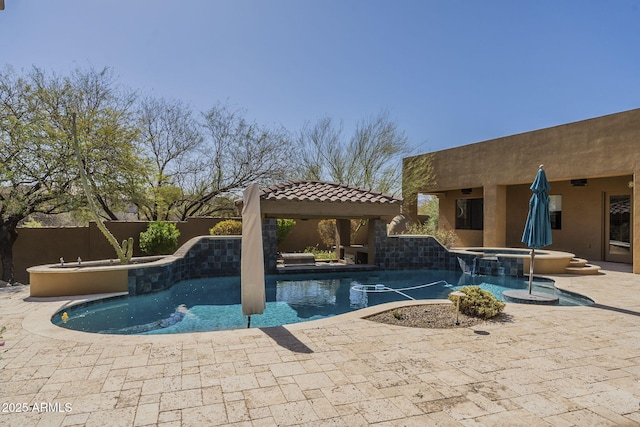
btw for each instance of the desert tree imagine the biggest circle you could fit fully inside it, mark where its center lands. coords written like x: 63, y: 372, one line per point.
x: 236, y: 152
x: 370, y: 158
x: 172, y: 141
x: 200, y: 163
x: 36, y: 163
x: 106, y: 130
x: 38, y: 171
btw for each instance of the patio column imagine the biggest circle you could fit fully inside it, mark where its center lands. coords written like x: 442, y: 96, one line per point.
x: 343, y: 234
x: 377, y: 235
x: 495, y: 216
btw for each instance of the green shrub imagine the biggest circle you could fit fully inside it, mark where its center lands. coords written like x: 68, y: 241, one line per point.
x: 161, y: 238
x: 478, y: 303
x: 320, y: 254
x: 31, y: 223
x: 447, y: 238
x: 284, y: 227
x: 228, y: 227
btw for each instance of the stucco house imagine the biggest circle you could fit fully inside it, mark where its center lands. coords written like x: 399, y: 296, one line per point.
x: 594, y: 170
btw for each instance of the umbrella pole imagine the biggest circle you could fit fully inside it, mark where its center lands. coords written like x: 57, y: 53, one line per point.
x: 533, y: 254
x: 249, y: 322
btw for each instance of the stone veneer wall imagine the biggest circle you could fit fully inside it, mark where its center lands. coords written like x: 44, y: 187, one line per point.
x: 413, y: 251
x: 270, y: 244
x: 205, y: 256
x: 209, y: 256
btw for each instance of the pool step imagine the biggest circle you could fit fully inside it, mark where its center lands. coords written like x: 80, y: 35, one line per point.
x: 582, y: 267
x: 578, y: 262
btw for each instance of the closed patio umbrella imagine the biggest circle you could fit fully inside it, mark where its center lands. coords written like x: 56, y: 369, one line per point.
x: 537, y: 229
x: 252, y: 257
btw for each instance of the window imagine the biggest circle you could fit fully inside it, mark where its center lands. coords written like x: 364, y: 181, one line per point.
x: 555, y: 211
x: 469, y: 214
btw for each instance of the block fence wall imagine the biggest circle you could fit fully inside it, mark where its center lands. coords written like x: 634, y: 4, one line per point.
x: 38, y: 246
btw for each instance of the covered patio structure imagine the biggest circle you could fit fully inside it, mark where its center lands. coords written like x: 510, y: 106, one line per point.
x: 303, y: 200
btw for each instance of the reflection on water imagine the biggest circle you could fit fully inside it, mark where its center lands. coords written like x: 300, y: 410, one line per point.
x: 312, y: 292
x: 214, y: 303
x: 619, y: 225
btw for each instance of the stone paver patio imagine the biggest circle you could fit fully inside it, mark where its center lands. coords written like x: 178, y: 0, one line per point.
x: 546, y: 366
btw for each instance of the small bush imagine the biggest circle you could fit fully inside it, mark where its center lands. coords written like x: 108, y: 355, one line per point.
x: 161, y: 238
x: 31, y: 223
x: 447, y: 238
x: 320, y: 254
x: 228, y: 227
x: 478, y: 303
x: 284, y: 227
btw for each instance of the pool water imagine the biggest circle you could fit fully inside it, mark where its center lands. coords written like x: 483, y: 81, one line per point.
x: 214, y: 303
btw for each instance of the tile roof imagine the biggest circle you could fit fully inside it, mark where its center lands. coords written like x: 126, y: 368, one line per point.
x: 620, y: 207
x: 320, y: 191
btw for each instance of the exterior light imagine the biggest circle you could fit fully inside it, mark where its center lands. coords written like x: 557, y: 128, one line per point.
x: 466, y: 190
x: 579, y: 182
x: 460, y: 295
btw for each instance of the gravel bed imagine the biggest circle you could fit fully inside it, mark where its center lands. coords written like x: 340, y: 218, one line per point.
x: 425, y: 316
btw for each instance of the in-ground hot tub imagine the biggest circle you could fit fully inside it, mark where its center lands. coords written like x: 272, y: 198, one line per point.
x: 546, y: 261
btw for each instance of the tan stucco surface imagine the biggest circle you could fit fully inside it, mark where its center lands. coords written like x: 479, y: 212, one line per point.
x: 604, y: 150
x: 600, y: 147
x: 54, y: 280
x: 74, y: 282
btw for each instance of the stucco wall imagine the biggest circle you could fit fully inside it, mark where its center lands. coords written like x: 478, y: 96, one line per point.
x: 605, y: 150
x: 37, y: 246
x: 583, y: 208
x: 599, y: 147
x: 305, y: 234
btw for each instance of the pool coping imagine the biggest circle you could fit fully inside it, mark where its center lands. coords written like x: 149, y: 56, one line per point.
x: 38, y: 321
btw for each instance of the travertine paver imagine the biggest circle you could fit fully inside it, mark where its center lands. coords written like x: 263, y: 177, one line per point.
x: 546, y: 366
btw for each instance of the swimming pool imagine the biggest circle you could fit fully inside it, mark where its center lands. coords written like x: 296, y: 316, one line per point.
x: 214, y: 303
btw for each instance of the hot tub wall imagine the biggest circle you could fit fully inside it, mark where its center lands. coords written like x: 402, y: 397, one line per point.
x: 204, y: 256
x: 75, y: 282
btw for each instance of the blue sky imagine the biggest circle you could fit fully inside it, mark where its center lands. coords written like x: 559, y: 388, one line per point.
x: 449, y: 72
